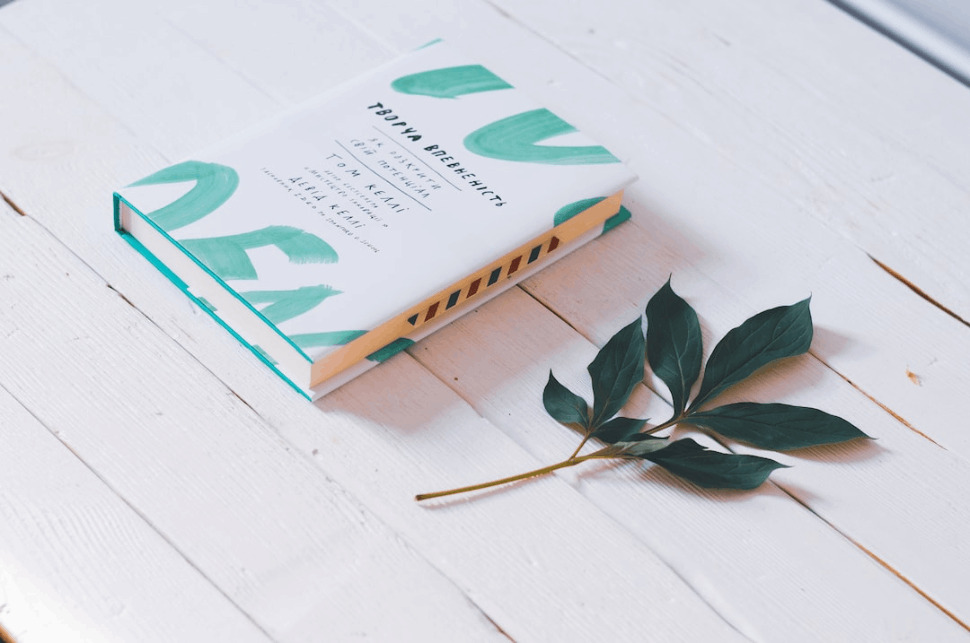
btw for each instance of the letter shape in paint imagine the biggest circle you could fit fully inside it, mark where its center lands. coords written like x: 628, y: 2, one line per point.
x: 228, y: 258
x: 516, y: 138
x: 287, y: 304
x: 450, y: 82
x: 214, y: 184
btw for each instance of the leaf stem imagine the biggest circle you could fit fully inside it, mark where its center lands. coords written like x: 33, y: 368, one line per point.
x: 669, y: 423
x: 570, y: 462
x: 580, y: 447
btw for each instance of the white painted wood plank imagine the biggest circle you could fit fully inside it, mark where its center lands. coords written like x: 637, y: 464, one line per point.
x: 74, y: 558
x: 700, y: 209
x: 148, y: 295
x: 764, y: 550
x: 277, y: 528
x: 281, y: 540
x: 857, y: 131
x: 879, y: 309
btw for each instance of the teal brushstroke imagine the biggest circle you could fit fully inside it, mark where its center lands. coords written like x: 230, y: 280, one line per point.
x: 567, y: 212
x: 262, y: 353
x: 389, y: 351
x: 287, y: 304
x: 333, y: 338
x: 206, y: 303
x: 429, y: 43
x: 450, y: 82
x: 616, y: 219
x: 515, y: 139
x: 227, y: 256
x: 214, y: 184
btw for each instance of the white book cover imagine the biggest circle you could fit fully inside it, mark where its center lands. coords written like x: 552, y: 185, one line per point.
x: 318, y: 227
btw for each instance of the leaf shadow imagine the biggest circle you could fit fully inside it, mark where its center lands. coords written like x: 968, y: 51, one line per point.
x: 856, y: 450
x: 645, y: 472
x: 779, y: 380
x: 655, y: 474
x: 828, y: 343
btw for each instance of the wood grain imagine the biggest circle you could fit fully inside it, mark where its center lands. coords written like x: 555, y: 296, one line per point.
x: 777, y: 156
x: 59, y: 527
x: 272, y: 532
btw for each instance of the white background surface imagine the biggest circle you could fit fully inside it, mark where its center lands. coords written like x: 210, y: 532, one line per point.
x: 158, y: 483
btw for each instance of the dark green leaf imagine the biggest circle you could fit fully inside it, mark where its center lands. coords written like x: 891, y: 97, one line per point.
x: 773, y: 334
x: 564, y: 405
x: 618, y: 429
x: 713, y: 469
x: 615, y: 370
x: 640, y: 445
x: 674, y: 344
x: 776, y: 426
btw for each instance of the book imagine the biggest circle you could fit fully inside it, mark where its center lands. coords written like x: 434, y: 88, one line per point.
x: 339, y: 233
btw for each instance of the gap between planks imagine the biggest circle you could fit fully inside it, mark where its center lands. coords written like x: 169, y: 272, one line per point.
x: 243, y: 401
x: 811, y: 353
x: 161, y: 534
x: 853, y: 542
x: 16, y: 208
x: 918, y: 291
x: 877, y: 559
x: 446, y: 383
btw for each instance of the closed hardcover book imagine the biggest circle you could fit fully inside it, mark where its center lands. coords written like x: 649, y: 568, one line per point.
x: 343, y: 231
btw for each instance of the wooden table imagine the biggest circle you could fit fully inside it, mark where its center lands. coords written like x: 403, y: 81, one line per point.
x: 158, y: 483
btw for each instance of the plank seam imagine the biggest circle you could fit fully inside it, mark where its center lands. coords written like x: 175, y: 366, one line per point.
x: 16, y: 208
x: 781, y: 487
x: 138, y: 513
x: 419, y: 554
x: 811, y: 353
x: 878, y: 560
x: 919, y: 291
x: 673, y: 570
x: 885, y: 408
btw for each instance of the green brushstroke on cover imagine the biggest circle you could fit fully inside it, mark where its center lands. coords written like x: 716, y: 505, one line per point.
x: 616, y: 219
x: 287, y: 304
x: 389, y: 351
x: 214, y: 184
x: 429, y: 43
x: 333, y: 338
x: 227, y: 256
x: 205, y: 302
x: 266, y: 356
x: 567, y: 212
x: 515, y: 139
x: 450, y: 82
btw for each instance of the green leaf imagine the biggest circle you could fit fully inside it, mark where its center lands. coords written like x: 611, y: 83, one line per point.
x: 674, y: 344
x: 564, y: 405
x: 615, y: 370
x: 713, y: 469
x: 618, y: 429
x: 773, y: 334
x: 776, y: 426
x: 640, y: 445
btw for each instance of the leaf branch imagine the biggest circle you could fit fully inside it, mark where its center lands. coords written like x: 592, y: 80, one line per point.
x: 572, y: 461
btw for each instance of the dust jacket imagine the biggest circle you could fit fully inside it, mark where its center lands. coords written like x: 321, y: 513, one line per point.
x: 341, y: 232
